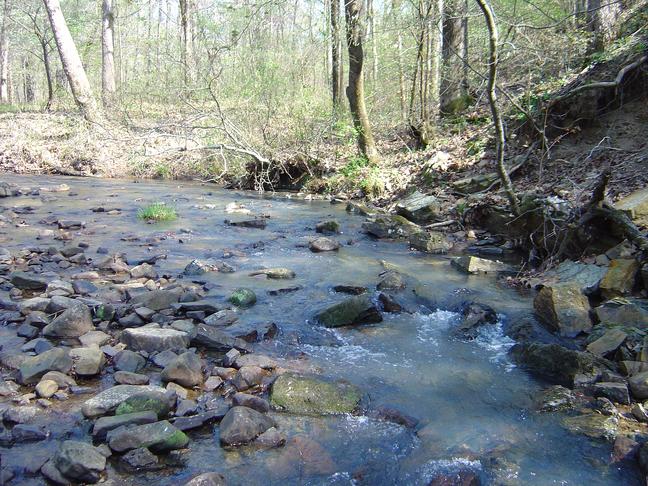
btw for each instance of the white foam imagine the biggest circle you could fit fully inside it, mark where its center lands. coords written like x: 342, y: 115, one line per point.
x: 491, y: 337
x: 433, y: 324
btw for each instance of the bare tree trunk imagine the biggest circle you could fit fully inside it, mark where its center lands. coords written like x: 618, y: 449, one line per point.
x: 500, y: 140
x: 71, y: 62
x: 186, y: 39
x: 374, y: 47
x: 4, y: 55
x: 453, y: 84
x: 337, y: 71
x: 108, y: 86
x: 601, y: 20
x: 30, y: 91
x: 355, y: 89
x: 48, y: 74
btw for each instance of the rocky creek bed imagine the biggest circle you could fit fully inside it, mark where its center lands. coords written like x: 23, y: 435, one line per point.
x: 279, y: 341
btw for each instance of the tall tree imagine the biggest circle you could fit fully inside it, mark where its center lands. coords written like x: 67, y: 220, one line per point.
x: 108, y: 86
x: 4, y: 54
x: 454, y: 83
x: 186, y: 40
x: 601, y: 20
x: 500, y: 136
x: 353, y: 10
x: 71, y: 62
x: 337, y: 70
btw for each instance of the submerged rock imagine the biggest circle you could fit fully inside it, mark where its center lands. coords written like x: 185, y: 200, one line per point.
x: 79, y: 461
x: 242, y: 425
x: 208, y: 479
x: 301, y: 457
x: 564, y: 308
x: 313, y: 395
x: 557, y: 399
x: 355, y: 310
x: 593, y: 425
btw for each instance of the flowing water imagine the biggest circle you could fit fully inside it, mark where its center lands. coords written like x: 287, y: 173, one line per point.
x: 478, y: 409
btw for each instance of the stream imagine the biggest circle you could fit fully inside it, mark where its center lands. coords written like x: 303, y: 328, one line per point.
x: 477, y: 410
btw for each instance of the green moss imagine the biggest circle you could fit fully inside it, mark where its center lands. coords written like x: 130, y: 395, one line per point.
x: 313, y: 396
x: 243, y: 298
x: 143, y: 403
x: 177, y: 440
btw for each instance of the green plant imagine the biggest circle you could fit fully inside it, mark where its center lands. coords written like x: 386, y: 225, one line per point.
x: 162, y: 171
x: 353, y: 166
x: 158, y: 211
x: 372, y: 184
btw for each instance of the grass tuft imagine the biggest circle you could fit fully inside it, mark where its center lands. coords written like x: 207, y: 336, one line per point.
x: 157, y: 212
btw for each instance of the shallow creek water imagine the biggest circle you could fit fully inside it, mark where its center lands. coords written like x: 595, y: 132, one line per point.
x: 479, y: 406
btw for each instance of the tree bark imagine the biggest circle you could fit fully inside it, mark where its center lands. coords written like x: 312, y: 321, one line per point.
x: 186, y: 39
x: 500, y: 140
x: 355, y: 89
x: 72, y: 65
x: 108, y: 86
x: 453, y: 85
x: 48, y: 74
x: 601, y: 21
x: 337, y: 71
x: 30, y: 90
x: 4, y: 55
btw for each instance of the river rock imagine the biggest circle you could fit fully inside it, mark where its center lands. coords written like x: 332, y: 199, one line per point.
x: 106, y: 424
x: 472, y: 264
x: 313, y: 395
x: 160, y: 402
x: 355, y: 310
x: 617, y: 392
x: 275, y: 273
x: 151, y: 339
x: 61, y: 379
x: 60, y: 286
x: 109, y: 399
x: 157, y: 436
x: 609, y: 342
x: 328, y: 227
x: 418, y: 207
x: 639, y: 385
x: 301, y: 456
x: 46, y: 388
x: 593, y: 425
x: 554, y: 361
x: 242, y: 425
x: 563, y: 308
x: 243, y: 297
x: 140, y: 460
x: 143, y: 271
x: 557, y: 399
x: 391, y: 280
x: 79, y: 461
x: 129, y: 378
x: 221, y: 318
x: 248, y: 377
x: 251, y: 401
x: 157, y: 299
x: 620, y: 278
x: 213, y: 338
x: 186, y: 370
x: 390, y: 226
x: 430, y: 242
x: 28, y: 281
x: 473, y: 315
x: 323, y: 244
x: 73, y: 322
x: 88, y: 361
x: 33, y: 368
x: 626, y: 311
x: 635, y: 205
x: 94, y: 338
x: 208, y: 479
x: 631, y: 368
x: 127, y: 360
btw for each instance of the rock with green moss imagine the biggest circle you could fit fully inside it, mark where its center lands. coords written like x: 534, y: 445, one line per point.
x: 157, y: 402
x: 328, y: 227
x: 243, y: 297
x: 390, y: 226
x: 593, y: 425
x: 275, y: 273
x: 158, y: 436
x: 313, y: 395
x: 355, y: 310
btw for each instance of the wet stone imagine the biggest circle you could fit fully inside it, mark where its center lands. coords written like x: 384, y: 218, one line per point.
x: 106, y: 424
x: 79, y: 461
x: 129, y: 378
x: 323, y: 244
x: 140, y: 460
x: 242, y: 425
x: 208, y: 479
x: 152, y: 339
x: 157, y: 436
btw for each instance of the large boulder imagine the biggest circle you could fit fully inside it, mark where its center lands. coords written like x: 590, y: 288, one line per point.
x: 79, y: 461
x: 109, y: 399
x: 355, y: 310
x: 154, y: 339
x: 555, y: 362
x: 636, y: 206
x: 75, y: 321
x: 242, y: 425
x: 157, y: 436
x: 418, y: 207
x: 629, y: 312
x: 620, y: 278
x: 390, y: 226
x: 33, y: 368
x: 564, y: 308
x: 313, y: 395
x: 185, y: 370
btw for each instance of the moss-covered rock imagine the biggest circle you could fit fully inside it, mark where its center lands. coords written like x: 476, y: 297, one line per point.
x: 313, y: 395
x: 593, y: 425
x: 143, y: 402
x: 355, y: 310
x: 243, y: 297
